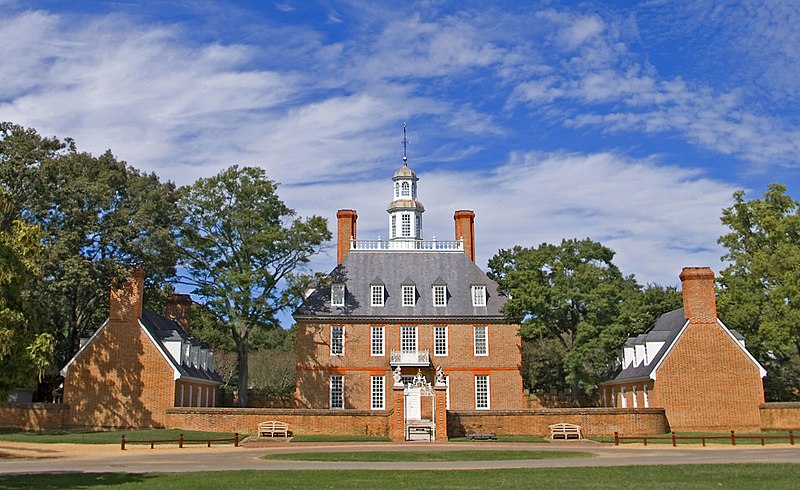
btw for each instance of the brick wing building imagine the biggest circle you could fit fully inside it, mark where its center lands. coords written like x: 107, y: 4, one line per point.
x: 407, y: 304
x: 138, y: 364
x: 692, y: 365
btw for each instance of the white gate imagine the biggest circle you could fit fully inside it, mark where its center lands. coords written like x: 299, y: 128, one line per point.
x: 417, y: 427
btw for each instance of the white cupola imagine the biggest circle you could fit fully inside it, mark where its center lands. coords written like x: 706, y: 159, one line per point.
x: 405, y: 211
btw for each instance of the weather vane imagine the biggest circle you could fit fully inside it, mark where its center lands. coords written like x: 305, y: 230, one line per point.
x: 405, y: 144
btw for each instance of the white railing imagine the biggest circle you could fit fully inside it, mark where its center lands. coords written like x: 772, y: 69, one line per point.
x: 416, y: 358
x: 409, y: 245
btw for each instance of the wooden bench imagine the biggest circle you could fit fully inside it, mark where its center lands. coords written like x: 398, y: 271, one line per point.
x: 273, y: 428
x: 565, y: 431
x: 489, y: 436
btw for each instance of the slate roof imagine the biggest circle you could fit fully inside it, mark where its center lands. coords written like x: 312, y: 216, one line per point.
x: 360, y: 269
x: 164, y: 329
x: 665, y: 329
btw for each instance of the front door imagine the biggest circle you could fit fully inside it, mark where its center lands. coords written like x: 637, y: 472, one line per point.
x: 413, y: 407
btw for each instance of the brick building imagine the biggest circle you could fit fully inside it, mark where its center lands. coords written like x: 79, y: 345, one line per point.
x: 689, y: 363
x: 404, y: 307
x: 138, y: 364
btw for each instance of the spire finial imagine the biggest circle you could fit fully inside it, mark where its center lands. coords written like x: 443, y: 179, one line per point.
x: 405, y: 145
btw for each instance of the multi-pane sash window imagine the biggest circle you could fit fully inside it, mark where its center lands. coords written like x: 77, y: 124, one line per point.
x: 337, y: 392
x: 376, y: 341
x: 440, y: 295
x: 377, y: 393
x: 440, y: 340
x: 480, y: 340
x: 337, y: 340
x: 337, y: 295
x: 405, y: 224
x: 406, y: 189
x: 479, y: 295
x: 482, y: 392
x: 376, y: 295
x: 409, y: 295
x: 419, y: 227
x: 408, y: 339
x: 393, y: 227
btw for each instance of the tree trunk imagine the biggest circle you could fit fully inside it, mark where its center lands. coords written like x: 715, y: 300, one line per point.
x: 576, y: 402
x: 241, y: 354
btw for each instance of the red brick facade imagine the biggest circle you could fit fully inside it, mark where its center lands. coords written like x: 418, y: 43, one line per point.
x: 315, y: 364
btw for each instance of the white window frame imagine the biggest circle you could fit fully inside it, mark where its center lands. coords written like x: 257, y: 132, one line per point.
x: 475, y: 337
x: 376, y: 293
x: 440, y: 340
x: 447, y: 392
x: 339, y: 378
x: 409, y: 295
x: 405, y: 225
x: 377, y: 395
x: 623, y: 398
x: 405, y: 189
x: 633, y: 395
x: 337, y: 346
x: 481, y: 404
x: 334, y: 289
x: 439, y: 293
x: 393, y: 226
x: 377, y: 341
x: 405, y: 339
x: 479, y: 295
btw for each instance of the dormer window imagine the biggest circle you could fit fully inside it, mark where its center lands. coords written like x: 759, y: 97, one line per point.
x: 479, y: 295
x: 439, y: 295
x: 409, y: 295
x: 337, y: 295
x: 376, y: 295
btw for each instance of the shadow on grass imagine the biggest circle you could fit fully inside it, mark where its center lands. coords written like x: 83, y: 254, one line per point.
x: 72, y: 480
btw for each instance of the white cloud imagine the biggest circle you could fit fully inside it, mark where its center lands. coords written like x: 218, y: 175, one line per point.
x: 657, y: 218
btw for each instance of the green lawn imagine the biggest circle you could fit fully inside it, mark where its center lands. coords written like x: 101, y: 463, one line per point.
x: 414, y: 456
x: 320, y: 438
x: 534, y: 439
x: 726, y: 440
x: 107, y: 437
x: 772, y: 476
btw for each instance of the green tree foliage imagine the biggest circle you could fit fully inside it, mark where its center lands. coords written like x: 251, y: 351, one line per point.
x: 23, y: 351
x: 97, y: 215
x: 760, y: 289
x: 571, y: 293
x: 242, y: 247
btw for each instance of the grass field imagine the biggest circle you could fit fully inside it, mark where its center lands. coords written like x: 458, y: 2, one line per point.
x: 772, y: 476
x: 414, y: 456
x: 315, y: 438
x: 107, y: 437
x: 726, y: 440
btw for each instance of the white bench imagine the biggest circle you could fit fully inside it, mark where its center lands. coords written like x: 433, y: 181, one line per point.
x: 273, y: 428
x: 565, y: 431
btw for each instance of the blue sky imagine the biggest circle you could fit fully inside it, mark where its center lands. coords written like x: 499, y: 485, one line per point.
x: 631, y: 123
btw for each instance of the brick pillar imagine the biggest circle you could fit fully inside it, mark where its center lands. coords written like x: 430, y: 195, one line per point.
x: 346, y: 220
x: 465, y: 228
x: 126, y: 297
x: 440, y: 391
x: 398, y: 428
x: 178, y: 308
x: 699, y: 302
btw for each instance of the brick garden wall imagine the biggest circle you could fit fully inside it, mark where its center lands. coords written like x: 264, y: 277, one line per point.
x: 301, y: 422
x: 33, y: 416
x: 780, y: 416
x: 593, y: 421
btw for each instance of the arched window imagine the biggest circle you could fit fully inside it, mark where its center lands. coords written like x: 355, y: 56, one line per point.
x: 406, y: 189
x: 397, y: 189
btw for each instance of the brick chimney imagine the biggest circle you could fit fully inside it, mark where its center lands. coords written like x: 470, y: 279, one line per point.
x: 465, y: 228
x: 699, y: 302
x: 346, y: 219
x: 126, y: 297
x: 178, y: 308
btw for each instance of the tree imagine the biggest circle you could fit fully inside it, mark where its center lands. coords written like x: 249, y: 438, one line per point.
x: 23, y: 351
x: 97, y: 216
x: 241, y: 248
x: 571, y: 293
x: 760, y: 289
